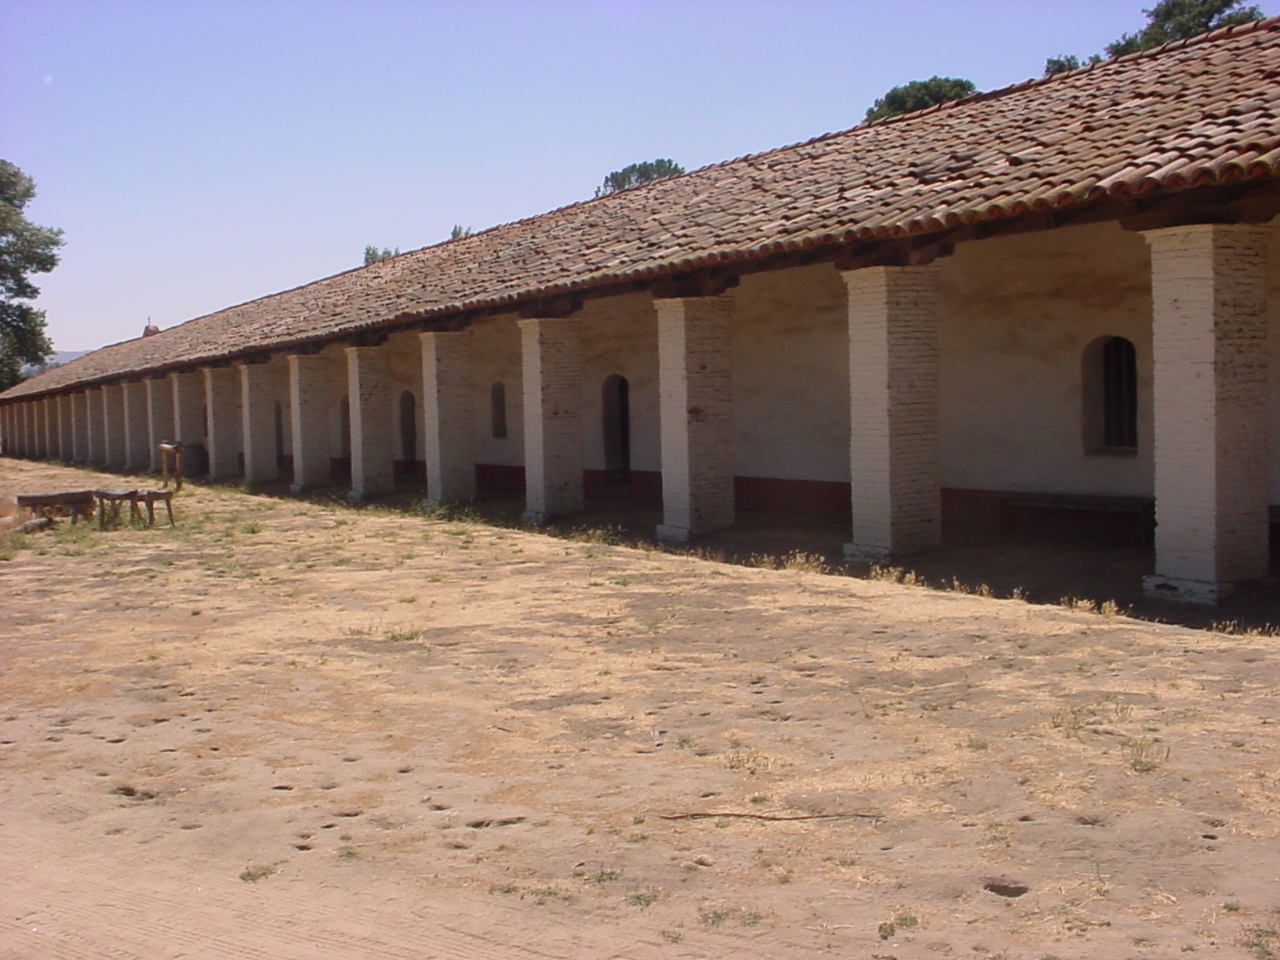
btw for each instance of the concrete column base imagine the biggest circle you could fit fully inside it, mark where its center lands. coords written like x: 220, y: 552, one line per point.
x: 1204, y: 592
x: 539, y: 518
x: 668, y: 533
x: 867, y: 553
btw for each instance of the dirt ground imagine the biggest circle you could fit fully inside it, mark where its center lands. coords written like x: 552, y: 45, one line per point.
x: 289, y: 730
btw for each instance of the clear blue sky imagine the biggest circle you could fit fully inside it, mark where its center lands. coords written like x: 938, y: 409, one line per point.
x: 199, y: 154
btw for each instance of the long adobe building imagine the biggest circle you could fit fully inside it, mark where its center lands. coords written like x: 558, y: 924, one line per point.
x: 1049, y: 304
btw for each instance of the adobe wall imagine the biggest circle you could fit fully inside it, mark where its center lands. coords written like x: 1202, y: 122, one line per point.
x: 1015, y: 315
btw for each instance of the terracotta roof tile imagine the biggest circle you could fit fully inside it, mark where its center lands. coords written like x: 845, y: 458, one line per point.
x: 1193, y: 112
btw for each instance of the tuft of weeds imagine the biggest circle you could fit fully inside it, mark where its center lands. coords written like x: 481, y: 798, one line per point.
x: 254, y: 874
x: 642, y: 898
x: 895, y: 575
x: 1145, y: 754
x: 605, y: 874
x: 403, y: 636
x: 543, y: 895
x: 1263, y: 941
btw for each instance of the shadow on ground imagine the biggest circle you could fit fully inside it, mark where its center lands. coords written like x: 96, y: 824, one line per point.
x: 1041, y: 571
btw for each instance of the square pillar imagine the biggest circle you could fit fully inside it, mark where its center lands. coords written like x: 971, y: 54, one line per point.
x: 369, y: 396
x: 80, y: 427
x: 448, y: 438
x: 159, y: 418
x: 36, y: 420
x: 136, y: 433
x: 65, y: 452
x: 894, y: 458
x: 308, y: 393
x: 258, y: 407
x: 47, y: 423
x: 113, y: 426
x: 695, y: 387
x: 1210, y: 352
x: 222, y: 400
x: 95, y: 405
x: 188, y: 407
x: 53, y: 409
x: 551, y: 355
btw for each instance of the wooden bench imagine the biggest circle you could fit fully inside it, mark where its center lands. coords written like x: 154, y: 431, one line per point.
x: 150, y: 497
x: 1143, y: 509
x: 110, y: 501
x: 78, y: 502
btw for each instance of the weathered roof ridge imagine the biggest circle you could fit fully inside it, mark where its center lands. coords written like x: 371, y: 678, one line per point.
x: 1156, y: 120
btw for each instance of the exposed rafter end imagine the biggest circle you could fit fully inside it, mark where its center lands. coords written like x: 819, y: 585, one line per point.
x: 556, y: 308
x: 704, y: 283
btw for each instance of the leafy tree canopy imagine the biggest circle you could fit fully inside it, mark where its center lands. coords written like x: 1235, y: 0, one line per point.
x: 1167, y: 21
x: 372, y: 254
x: 459, y: 231
x: 919, y: 94
x: 24, y: 249
x: 637, y: 174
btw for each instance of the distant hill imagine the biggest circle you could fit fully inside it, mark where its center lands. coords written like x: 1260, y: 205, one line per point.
x: 57, y: 360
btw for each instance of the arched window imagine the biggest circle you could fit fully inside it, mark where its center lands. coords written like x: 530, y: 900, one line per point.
x: 1110, y: 396
x: 408, y: 427
x: 498, y: 410
x: 615, y: 405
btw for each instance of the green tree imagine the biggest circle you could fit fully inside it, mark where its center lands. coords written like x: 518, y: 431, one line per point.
x: 1167, y: 21
x: 24, y: 249
x: 372, y: 254
x: 637, y: 174
x: 1068, y: 61
x: 459, y: 231
x: 919, y: 94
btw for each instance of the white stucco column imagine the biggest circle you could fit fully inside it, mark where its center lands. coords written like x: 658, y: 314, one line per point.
x: 369, y: 399
x: 94, y: 409
x: 48, y: 429
x: 258, y: 406
x: 448, y: 438
x: 222, y: 400
x: 80, y: 427
x: 188, y: 407
x: 136, y: 431
x: 308, y: 396
x: 113, y: 425
x: 55, y: 427
x: 894, y: 457
x: 551, y: 355
x: 65, y: 436
x: 1210, y: 352
x: 695, y: 386
x: 33, y: 430
x: 159, y: 418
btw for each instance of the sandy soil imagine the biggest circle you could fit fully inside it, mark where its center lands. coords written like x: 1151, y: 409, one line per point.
x: 288, y: 730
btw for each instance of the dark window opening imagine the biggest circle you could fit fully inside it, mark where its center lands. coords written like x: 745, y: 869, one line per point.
x: 498, y: 410
x: 1119, y: 394
x: 616, y: 410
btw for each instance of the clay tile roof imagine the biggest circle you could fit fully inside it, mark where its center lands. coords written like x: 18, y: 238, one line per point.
x: 1193, y: 112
